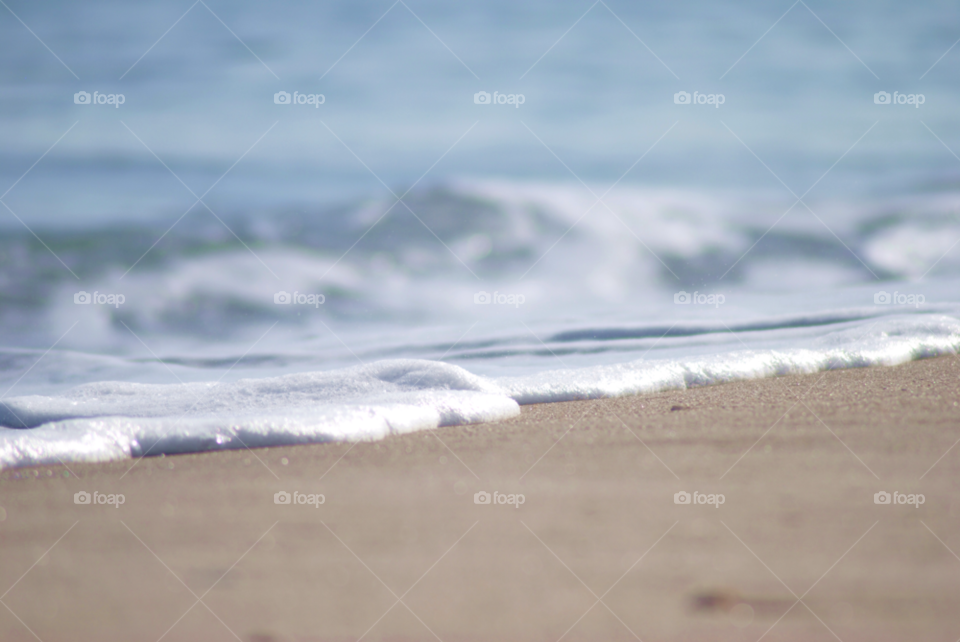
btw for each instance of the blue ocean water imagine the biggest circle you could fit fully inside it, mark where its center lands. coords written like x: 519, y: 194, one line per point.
x: 531, y: 190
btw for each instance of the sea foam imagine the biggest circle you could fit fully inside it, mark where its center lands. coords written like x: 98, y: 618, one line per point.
x: 113, y: 420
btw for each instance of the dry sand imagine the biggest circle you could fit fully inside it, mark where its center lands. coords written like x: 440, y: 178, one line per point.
x: 597, y: 551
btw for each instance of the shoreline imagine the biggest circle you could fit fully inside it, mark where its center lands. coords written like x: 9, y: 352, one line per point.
x: 798, y: 460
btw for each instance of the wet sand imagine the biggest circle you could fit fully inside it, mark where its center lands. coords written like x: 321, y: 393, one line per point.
x: 399, y: 550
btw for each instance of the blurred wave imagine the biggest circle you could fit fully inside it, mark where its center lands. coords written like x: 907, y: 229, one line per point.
x: 377, y: 261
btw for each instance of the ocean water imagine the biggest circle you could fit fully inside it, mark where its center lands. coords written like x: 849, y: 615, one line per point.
x: 202, y: 267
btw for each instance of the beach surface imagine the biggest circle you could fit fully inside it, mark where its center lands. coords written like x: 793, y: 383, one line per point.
x: 598, y: 549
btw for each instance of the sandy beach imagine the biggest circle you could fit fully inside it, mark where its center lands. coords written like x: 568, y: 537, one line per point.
x: 367, y: 321
x: 598, y: 549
